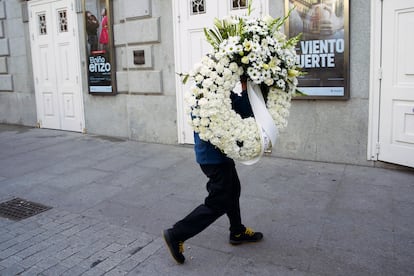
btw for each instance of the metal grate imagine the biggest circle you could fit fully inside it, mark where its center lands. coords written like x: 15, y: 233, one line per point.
x: 18, y: 209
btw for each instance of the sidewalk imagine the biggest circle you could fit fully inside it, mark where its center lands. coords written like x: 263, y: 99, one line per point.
x: 111, y: 199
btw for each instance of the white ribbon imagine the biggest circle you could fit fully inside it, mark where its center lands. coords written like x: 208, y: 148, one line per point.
x: 267, y: 128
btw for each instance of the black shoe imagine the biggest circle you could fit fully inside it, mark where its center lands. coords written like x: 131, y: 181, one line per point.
x: 247, y: 236
x: 176, y: 247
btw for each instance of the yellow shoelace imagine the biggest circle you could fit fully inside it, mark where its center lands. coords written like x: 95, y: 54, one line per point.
x: 181, y: 247
x: 249, y: 232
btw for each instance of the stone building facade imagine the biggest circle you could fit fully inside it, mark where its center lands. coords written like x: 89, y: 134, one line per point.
x: 146, y: 106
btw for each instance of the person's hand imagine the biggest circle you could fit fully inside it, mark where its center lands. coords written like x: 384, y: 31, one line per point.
x: 244, y: 85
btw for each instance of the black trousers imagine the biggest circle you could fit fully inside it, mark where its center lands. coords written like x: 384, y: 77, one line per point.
x: 223, y: 189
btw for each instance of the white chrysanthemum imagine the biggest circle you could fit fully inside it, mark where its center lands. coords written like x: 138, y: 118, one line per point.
x: 234, y: 67
x: 281, y: 84
x: 219, y: 68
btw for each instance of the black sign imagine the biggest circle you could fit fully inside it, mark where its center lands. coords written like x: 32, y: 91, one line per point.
x: 99, y: 47
x: 324, y: 46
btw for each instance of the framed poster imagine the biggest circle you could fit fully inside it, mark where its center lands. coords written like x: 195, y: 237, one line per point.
x: 99, y: 47
x: 323, y: 48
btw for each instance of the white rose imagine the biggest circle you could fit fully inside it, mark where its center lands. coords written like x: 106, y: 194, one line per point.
x: 233, y: 67
x: 227, y: 74
x: 269, y: 81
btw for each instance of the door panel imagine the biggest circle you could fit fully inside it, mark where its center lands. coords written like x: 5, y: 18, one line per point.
x: 43, y: 63
x: 396, y: 133
x: 56, y: 64
x: 48, y: 104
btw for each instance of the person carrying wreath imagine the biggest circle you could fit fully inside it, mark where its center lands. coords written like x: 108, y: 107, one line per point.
x: 223, y: 188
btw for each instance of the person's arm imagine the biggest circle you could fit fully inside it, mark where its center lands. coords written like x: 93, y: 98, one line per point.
x: 95, y: 22
x: 241, y: 104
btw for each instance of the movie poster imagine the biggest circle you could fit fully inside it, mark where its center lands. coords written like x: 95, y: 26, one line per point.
x: 324, y: 46
x: 99, y: 47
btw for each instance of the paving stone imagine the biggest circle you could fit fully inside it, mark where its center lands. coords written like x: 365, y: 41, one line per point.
x: 91, y: 249
x: 116, y: 272
x: 7, y: 244
x: 245, y: 266
x: 93, y: 272
x: 58, y: 269
x: 138, y: 257
x: 67, y: 252
x: 32, y: 260
x: 14, y: 269
x: 10, y: 261
x: 75, y: 271
x: 34, y: 270
x: 36, y: 247
x: 71, y: 261
x: 114, y: 247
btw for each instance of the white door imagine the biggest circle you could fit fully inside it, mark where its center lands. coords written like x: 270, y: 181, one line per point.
x: 396, y: 124
x: 56, y: 64
x: 191, y: 17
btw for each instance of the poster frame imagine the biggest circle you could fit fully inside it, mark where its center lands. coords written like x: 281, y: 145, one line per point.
x: 107, y: 52
x: 345, y: 95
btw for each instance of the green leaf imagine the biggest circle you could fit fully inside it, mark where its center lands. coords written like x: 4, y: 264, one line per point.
x: 212, y: 37
x: 184, y: 77
x: 278, y: 22
x: 249, y: 8
x: 299, y: 93
x: 293, y: 41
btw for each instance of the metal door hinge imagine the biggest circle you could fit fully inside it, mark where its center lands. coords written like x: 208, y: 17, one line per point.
x: 380, y: 73
x: 377, y: 148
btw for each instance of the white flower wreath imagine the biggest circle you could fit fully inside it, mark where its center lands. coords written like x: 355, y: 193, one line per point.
x: 256, y: 50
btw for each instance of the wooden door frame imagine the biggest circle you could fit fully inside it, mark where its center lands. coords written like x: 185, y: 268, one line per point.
x: 375, y: 80
x: 178, y: 69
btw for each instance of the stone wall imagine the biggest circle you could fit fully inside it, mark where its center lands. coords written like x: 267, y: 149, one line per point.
x: 17, y: 98
x: 145, y: 107
x: 334, y: 130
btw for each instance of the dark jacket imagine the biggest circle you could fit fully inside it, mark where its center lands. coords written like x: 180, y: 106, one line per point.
x: 206, y: 153
x: 92, y: 25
